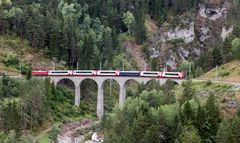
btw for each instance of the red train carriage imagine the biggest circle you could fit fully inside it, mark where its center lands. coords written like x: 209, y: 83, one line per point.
x: 40, y: 73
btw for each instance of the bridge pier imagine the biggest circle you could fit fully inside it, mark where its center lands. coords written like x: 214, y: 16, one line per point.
x: 77, y: 95
x: 122, y: 93
x: 100, y: 101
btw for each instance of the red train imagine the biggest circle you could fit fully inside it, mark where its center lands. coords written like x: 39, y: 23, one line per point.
x: 156, y: 74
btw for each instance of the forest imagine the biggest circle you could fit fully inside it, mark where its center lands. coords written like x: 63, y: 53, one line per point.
x: 89, y: 33
x: 83, y: 31
x: 151, y: 113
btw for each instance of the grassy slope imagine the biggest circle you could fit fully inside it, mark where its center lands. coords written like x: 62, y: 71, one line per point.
x: 221, y: 91
x: 226, y: 72
x: 26, y: 54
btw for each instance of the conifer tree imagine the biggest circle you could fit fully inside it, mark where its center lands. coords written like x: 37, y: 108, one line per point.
x: 29, y: 74
x: 188, y: 91
x: 224, y: 134
x: 235, y: 129
x: 187, y: 113
x: 213, y: 115
x: 189, y: 134
x: 217, y: 57
x: 201, y: 123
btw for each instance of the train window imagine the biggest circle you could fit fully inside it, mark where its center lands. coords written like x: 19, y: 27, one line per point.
x: 83, y: 72
x: 59, y: 72
x: 150, y: 73
x: 171, y: 74
x: 108, y: 72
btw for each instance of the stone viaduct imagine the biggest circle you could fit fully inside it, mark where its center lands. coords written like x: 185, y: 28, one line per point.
x: 77, y: 80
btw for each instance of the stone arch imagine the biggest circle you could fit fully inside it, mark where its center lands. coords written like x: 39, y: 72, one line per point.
x: 65, y: 80
x: 154, y: 83
x: 88, y: 78
x: 174, y: 81
x: 88, y: 91
x: 111, y: 90
x: 67, y: 83
x: 132, y: 82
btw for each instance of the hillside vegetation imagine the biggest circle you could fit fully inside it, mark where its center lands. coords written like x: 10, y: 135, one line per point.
x: 193, y: 36
x: 227, y: 72
x: 16, y: 52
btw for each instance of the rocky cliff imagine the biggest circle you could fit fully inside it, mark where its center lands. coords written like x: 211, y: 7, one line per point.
x: 192, y: 33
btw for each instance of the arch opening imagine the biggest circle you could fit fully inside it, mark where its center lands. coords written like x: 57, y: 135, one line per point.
x: 66, y: 87
x: 67, y: 83
x: 153, y: 84
x: 111, y: 89
x: 133, y: 88
x: 88, y: 90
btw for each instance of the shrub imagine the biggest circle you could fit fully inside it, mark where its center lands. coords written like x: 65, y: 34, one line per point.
x: 209, y: 82
x: 24, y: 68
x: 223, y: 73
x: 53, y: 133
x: 11, y: 59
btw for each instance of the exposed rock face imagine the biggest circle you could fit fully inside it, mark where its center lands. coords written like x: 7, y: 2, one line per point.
x: 212, y: 13
x: 193, y: 35
x: 187, y: 35
x: 183, y: 53
x: 171, y: 62
x: 204, y: 33
x: 68, y: 130
x: 226, y: 32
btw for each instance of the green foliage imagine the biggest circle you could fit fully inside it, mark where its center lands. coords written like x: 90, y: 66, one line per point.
x: 128, y: 20
x: 26, y: 138
x: 11, y: 60
x: 201, y: 123
x: 213, y: 112
x: 188, y: 68
x: 187, y: 113
x: 10, y: 117
x: 235, y: 128
x: 223, y: 73
x: 188, y: 91
x: 34, y: 105
x: 168, y: 92
x: 10, y: 87
x: 236, y: 48
x: 39, y: 102
x: 224, y: 134
x: 29, y: 74
x: 189, y: 135
x: 11, y: 138
x: 142, y: 119
x: 119, y: 62
x: 208, y: 83
x: 153, y: 84
x: 226, y: 50
x: 155, y: 64
x: 53, y: 133
x: 217, y: 57
x: 153, y: 97
x: 151, y: 135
